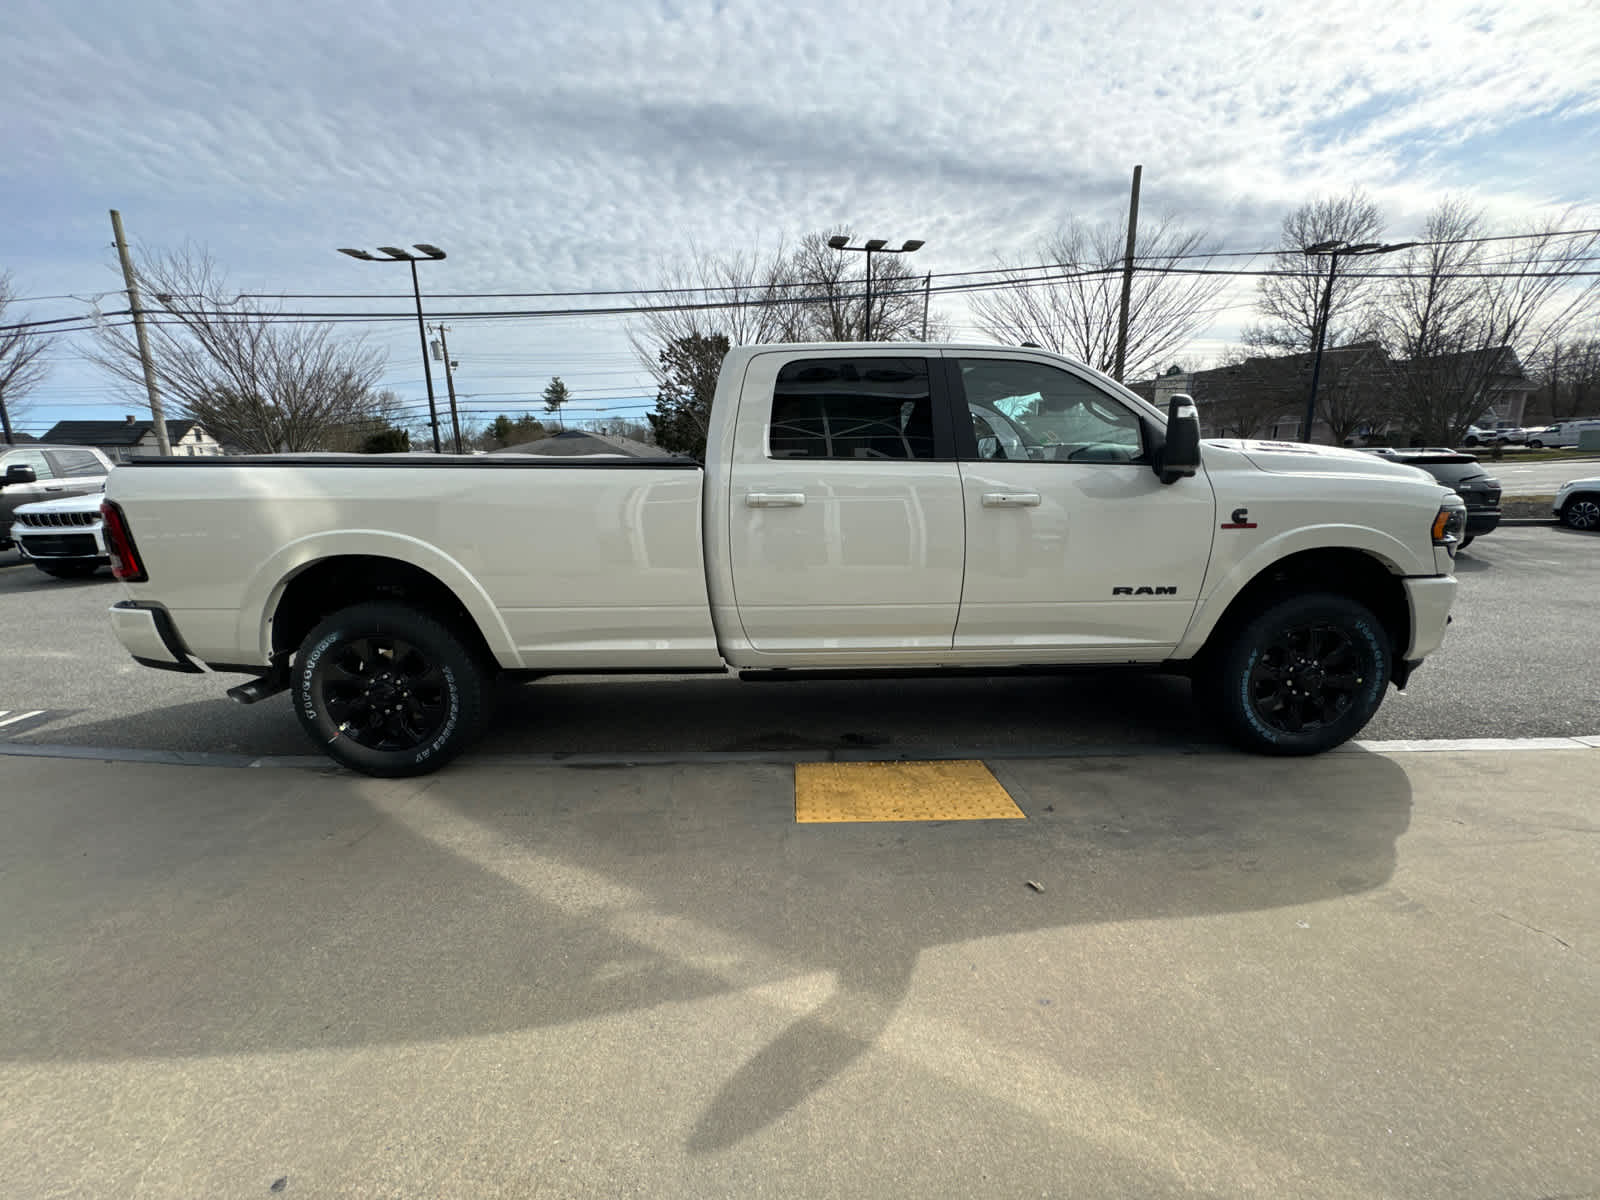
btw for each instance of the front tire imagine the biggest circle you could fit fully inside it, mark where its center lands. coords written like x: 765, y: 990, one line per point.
x: 389, y: 691
x: 1582, y: 512
x: 1302, y: 676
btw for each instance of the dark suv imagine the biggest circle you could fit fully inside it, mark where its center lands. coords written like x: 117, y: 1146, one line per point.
x: 38, y: 472
x: 1462, y: 474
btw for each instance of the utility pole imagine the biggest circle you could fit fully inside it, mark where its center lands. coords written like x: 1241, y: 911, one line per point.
x: 150, y: 387
x: 1127, y: 276
x: 1333, y: 248
x: 442, y: 350
x: 927, y: 292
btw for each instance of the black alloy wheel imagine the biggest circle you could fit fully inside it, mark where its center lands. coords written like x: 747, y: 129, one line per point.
x: 388, y: 690
x: 1301, y: 676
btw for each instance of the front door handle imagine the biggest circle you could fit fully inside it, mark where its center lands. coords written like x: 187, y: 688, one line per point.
x: 1011, y: 499
x: 62, y: 488
x: 774, y: 499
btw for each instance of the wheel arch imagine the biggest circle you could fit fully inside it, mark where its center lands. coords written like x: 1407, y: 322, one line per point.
x: 306, y: 582
x: 1357, y: 574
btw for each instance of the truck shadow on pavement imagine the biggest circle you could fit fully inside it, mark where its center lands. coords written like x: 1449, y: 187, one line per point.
x: 159, y: 914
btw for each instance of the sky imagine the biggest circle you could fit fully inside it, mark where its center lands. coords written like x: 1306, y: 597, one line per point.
x: 552, y: 147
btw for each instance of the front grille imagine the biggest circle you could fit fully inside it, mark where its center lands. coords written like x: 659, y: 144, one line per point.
x: 56, y: 520
x: 62, y: 545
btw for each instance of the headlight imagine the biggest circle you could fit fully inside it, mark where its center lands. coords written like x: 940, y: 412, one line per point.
x: 1449, y: 525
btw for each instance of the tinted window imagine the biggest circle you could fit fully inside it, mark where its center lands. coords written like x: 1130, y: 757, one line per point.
x: 75, y: 462
x: 867, y: 408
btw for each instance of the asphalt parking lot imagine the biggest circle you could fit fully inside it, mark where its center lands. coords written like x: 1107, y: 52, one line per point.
x: 601, y: 957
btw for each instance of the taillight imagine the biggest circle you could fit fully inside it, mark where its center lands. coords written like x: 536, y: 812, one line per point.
x: 125, y: 564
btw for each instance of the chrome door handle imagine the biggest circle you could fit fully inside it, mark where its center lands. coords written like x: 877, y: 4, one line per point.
x: 1011, y: 499
x: 774, y: 499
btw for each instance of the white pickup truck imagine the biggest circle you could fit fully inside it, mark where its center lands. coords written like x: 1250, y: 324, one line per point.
x: 861, y: 508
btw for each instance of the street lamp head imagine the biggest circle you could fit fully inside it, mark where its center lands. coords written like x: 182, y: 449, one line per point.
x: 911, y: 245
x: 431, y: 251
x: 877, y: 243
x: 396, y: 253
x: 838, y: 241
x: 361, y: 254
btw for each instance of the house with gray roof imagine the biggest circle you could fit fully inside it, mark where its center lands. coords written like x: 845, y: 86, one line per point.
x: 129, y: 438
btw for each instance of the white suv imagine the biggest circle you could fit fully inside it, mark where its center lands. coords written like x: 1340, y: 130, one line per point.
x: 1578, y: 504
x: 62, y: 537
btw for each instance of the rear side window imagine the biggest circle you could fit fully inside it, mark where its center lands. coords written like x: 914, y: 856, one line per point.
x: 75, y: 462
x: 858, y: 408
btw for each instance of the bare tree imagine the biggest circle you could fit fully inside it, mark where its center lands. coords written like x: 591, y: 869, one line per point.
x: 1074, y: 306
x: 1290, y: 299
x: 1464, y: 315
x: 22, y: 364
x: 1567, y: 371
x: 250, y: 377
x: 812, y: 293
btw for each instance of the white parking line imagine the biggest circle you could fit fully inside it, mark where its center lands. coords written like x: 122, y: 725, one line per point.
x: 7, y: 719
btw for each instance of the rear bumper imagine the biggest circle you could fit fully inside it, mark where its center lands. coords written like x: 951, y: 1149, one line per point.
x: 147, y: 633
x: 1482, y: 520
x: 1429, y: 599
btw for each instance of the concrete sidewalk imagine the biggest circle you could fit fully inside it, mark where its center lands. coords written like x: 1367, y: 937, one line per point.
x: 1366, y: 974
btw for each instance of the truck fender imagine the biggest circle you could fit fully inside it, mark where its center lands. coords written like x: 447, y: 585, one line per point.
x: 1387, y: 550
x: 265, y: 588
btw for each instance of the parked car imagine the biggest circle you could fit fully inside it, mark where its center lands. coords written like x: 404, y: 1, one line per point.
x: 1463, y: 474
x: 1577, y: 504
x: 860, y: 507
x: 34, y: 472
x: 62, y: 537
x: 1560, y: 435
x: 1494, y: 435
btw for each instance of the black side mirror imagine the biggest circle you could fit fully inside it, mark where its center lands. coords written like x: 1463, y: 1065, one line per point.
x: 1179, y: 456
x: 19, y: 473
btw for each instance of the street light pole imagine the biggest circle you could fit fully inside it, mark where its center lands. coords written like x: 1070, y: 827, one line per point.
x: 1333, y: 249
x: 429, y: 254
x: 873, y: 246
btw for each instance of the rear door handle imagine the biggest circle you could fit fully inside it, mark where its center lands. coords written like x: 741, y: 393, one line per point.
x: 774, y: 499
x: 1011, y: 499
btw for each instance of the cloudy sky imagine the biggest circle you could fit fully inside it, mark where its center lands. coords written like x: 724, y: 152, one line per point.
x: 578, y: 146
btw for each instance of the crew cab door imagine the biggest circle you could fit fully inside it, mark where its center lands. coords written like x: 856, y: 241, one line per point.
x: 1074, y: 545
x: 845, y: 506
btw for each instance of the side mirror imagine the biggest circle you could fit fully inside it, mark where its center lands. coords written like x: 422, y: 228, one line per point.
x: 1179, y: 456
x: 19, y: 474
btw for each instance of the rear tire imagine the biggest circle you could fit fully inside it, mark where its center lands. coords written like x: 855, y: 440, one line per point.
x: 389, y: 691
x: 1301, y: 676
x: 1466, y: 541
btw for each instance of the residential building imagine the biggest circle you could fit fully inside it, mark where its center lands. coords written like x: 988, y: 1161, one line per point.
x: 130, y: 438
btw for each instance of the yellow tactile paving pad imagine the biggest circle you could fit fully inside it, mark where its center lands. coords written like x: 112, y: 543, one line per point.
x: 900, y: 791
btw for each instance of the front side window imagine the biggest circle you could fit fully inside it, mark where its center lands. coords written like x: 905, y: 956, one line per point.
x: 855, y: 408
x: 27, y: 458
x: 1033, y: 411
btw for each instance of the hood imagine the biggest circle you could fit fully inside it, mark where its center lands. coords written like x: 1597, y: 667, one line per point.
x: 1302, y: 458
x: 74, y: 504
